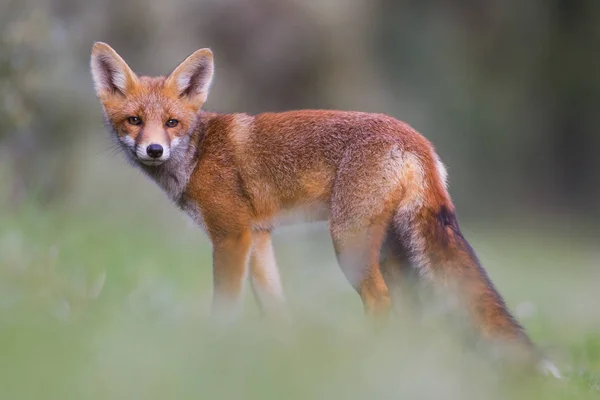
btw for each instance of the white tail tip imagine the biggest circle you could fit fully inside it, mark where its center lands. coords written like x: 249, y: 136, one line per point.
x: 548, y: 368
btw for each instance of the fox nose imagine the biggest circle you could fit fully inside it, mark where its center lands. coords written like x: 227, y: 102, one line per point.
x: 154, y: 150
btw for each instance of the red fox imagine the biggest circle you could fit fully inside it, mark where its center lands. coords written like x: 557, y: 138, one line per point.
x: 378, y: 182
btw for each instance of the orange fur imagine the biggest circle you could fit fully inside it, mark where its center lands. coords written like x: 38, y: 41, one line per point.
x: 378, y: 182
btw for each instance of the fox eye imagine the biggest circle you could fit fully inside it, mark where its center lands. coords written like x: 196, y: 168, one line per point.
x: 134, y: 120
x: 172, y: 123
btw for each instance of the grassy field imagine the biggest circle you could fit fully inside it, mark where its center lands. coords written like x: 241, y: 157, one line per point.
x: 106, y: 297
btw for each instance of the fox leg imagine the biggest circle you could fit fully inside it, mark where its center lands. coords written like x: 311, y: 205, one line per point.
x: 358, y: 256
x: 264, y: 275
x: 400, y: 278
x: 364, y: 196
x: 230, y: 262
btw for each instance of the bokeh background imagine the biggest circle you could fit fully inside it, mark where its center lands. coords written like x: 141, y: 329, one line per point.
x: 104, y: 285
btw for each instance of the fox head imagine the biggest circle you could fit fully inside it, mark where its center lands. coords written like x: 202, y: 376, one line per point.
x: 150, y: 116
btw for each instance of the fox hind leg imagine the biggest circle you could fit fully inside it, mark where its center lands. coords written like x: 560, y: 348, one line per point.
x: 400, y: 277
x: 358, y: 257
x: 364, y: 196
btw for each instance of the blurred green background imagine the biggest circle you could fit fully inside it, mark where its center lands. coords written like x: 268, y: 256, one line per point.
x: 105, y: 287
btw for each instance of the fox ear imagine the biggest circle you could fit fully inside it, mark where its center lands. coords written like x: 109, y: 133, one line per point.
x: 110, y: 72
x: 193, y: 77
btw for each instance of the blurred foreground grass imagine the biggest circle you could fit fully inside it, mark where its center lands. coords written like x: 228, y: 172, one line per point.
x: 100, y: 304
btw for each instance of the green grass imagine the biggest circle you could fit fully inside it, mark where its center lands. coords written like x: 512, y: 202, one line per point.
x: 103, y: 301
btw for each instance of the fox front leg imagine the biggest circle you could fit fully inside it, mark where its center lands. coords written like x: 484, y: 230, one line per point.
x: 230, y: 263
x: 264, y: 276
